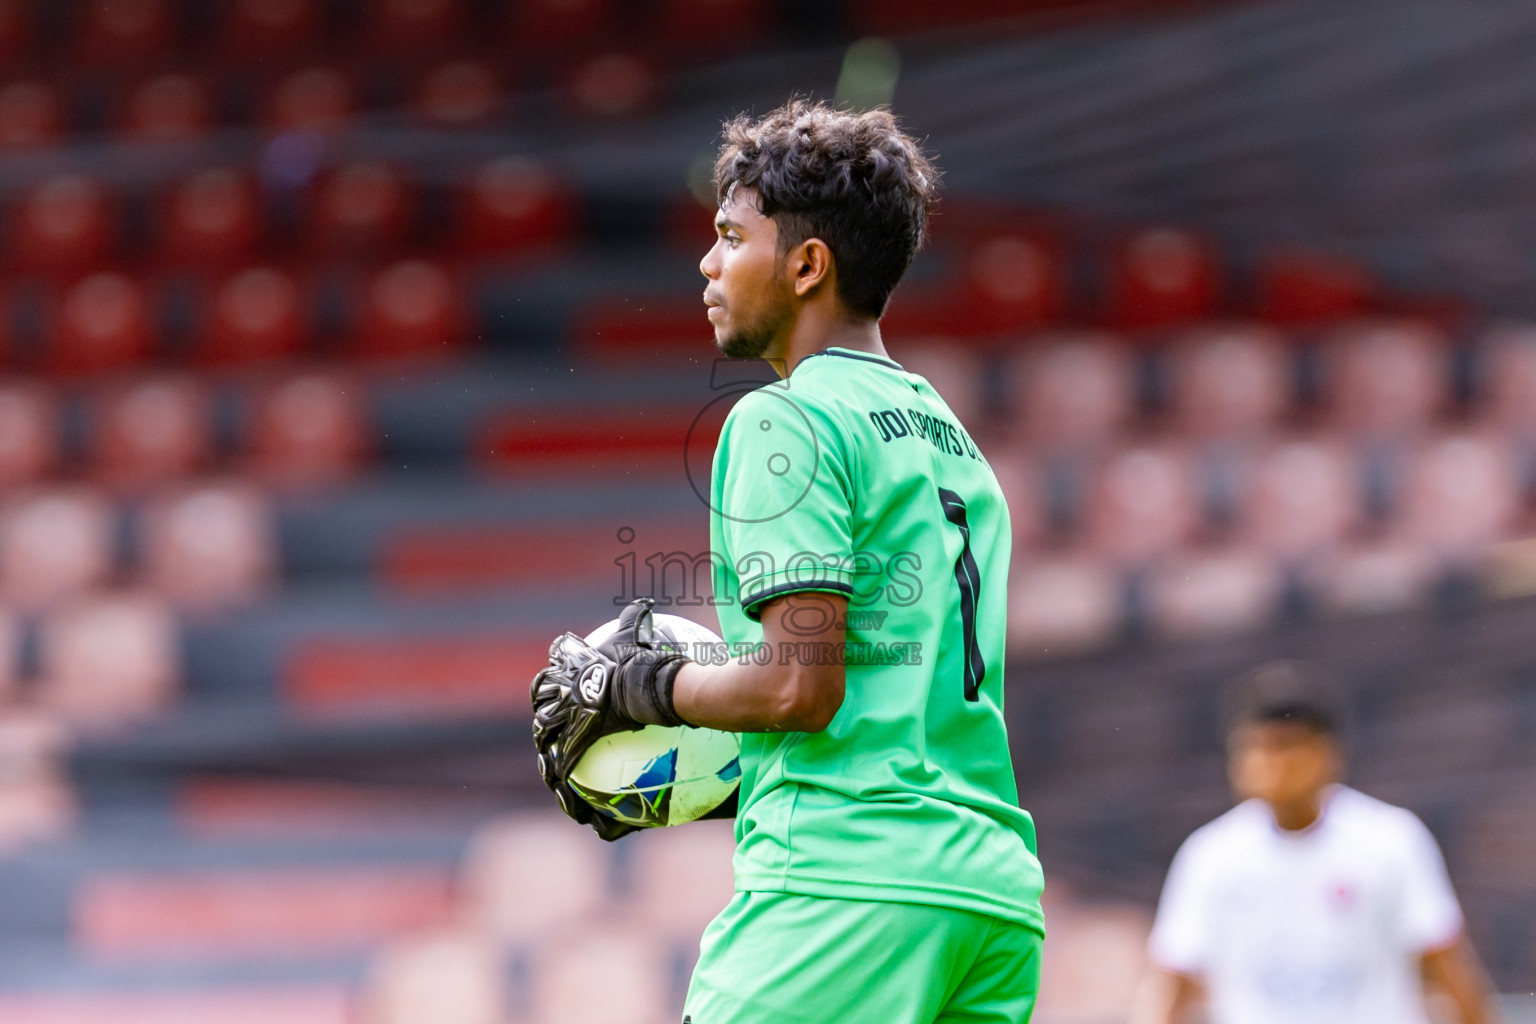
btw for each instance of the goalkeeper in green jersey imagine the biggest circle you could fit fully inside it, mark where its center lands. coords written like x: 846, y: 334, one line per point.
x: 884, y: 871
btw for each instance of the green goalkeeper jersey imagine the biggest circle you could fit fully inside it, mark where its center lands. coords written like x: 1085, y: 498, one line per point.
x: 853, y: 477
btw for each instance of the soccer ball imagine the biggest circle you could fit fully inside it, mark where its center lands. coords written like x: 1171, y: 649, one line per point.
x: 660, y: 775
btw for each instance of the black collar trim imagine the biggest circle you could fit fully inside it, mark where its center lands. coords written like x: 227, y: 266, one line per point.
x: 866, y: 357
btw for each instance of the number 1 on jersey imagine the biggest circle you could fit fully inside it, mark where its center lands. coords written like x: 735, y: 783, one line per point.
x: 968, y: 576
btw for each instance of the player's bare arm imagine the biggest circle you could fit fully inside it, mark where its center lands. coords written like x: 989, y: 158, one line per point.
x: 800, y: 689
x: 1165, y: 997
x: 1456, y: 970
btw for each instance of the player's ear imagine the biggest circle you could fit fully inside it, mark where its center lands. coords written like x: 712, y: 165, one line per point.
x: 810, y: 265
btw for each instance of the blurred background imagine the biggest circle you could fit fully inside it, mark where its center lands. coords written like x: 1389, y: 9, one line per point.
x: 352, y: 349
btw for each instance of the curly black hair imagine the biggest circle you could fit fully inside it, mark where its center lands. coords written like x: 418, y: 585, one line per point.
x: 853, y: 180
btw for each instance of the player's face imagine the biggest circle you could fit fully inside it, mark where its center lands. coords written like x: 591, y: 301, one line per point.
x: 1282, y: 763
x: 749, y: 295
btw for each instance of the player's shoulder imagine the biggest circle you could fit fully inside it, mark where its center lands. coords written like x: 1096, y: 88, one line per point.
x: 1373, y: 819
x: 1216, y: 839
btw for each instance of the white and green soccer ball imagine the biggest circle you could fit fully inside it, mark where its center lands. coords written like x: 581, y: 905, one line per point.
x: 660, y: 774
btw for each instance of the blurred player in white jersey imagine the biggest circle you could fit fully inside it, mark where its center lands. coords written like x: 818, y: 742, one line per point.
x: 1309, y: 902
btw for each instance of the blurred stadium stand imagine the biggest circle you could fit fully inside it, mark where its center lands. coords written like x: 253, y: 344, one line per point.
x: 327, y: 327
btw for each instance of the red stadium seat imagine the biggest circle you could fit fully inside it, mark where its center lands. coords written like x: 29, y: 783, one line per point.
x: 1203, y: 593
x: 460, y: 94
x: 361, y: 208
x: 30, y: 115
x: 1099, y: 960
x: 1162, y: 276
x: 329, y: 1003
x: 16, y: 20
x: 107, y: 661
x: 412, y: 308
x: 209, y: 546
x: 1384, y: 377
x: 411, y: 677
x: 1229, y: 382
x: 956, y: 373
x: 1372, y: 576
x: 168, y: 108
x: 29, y: 433
x: 103, y: 323
x: 524, y: 875
x: 211, y: 218
x: 294, y: 911
x: 1300, y: 287
x: 53, y: 544
x: 413, y: 24
x: 683, y: 877
x: 318, y: 99
x: 512, y: 204
x: 1019, y: 478
x: 1459, y: 494
x: 1073, y: 389
x: 695, y: 25
x: 151, y: 431
x: 633, y: 963
x: 611, y: 85
x: 440, y: 977
x: 261, y: 27
x: 1063, y: 604
x: 1299, y: 497
x: 1506, y: 392
x: 62, y: 224
x: 256, y: 316
x: 562, y: 25
x: 1017, y: 279
x: 118, y: 31
x: 1141, y: 502
x: 310, y: 428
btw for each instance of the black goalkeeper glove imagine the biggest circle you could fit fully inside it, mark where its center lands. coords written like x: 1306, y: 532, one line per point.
x: 587, y: 692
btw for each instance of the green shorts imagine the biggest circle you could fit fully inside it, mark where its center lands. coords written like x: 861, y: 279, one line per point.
x: 776, y: 958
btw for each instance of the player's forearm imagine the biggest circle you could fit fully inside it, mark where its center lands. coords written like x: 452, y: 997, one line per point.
x: 1164, y: 997
x: 1457, y: 970
x: 748, y: 697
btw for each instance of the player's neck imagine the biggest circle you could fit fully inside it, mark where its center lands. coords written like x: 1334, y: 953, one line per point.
x: 1300, y: 815
x: 816, y: 330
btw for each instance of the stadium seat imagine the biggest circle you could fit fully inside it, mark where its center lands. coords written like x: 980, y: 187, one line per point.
x: 1019, y: 477
x: 62, y: 224
x: 53, y: 544
x: 1063, y: 604
x: 309, y: 428
x: 1459, y: 494
x: 172, y: 107
x: 16, y: 24
x: 411, y: 308
x: 325, y: 1003
x: 120, y: 31
x: 29, y: 432
x: 1014, y: 282
x: 681, y: 877
x: 441, y: 977
x: 633, y: 964
x: 1384, y: 377
x: 284, y: 911
x: 448, y: 676
x: 697, y: 25
x: 411, y: 25
x: 1200, y: 593
x: 957, y: 373
x: 513, y: 204
x: 1162, y: 276
x: 1300, y: 287
x: 1097, y: 963
x: 30, y: 114
x: 611, y: 85
x: 103, y: 323
x: 263, y: 27
x: 1298, y: 497
x: 540, y: 27
x: 361, y: 209
x: 1506, y: 378
x: 151, y: 431
x: 1072, y: 390
x: 1141, y: 501
x: 211, y: 219
x: 1229, y: 382
x: 526, y: 875
x: 211, y: 545
x: 1370, y: 577
x: 255, y: 316
x: 317, y: 99
x: 460, y: 94
x: 109, y: 660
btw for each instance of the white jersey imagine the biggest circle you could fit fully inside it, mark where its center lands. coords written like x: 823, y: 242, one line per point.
x: 1320, y: 926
